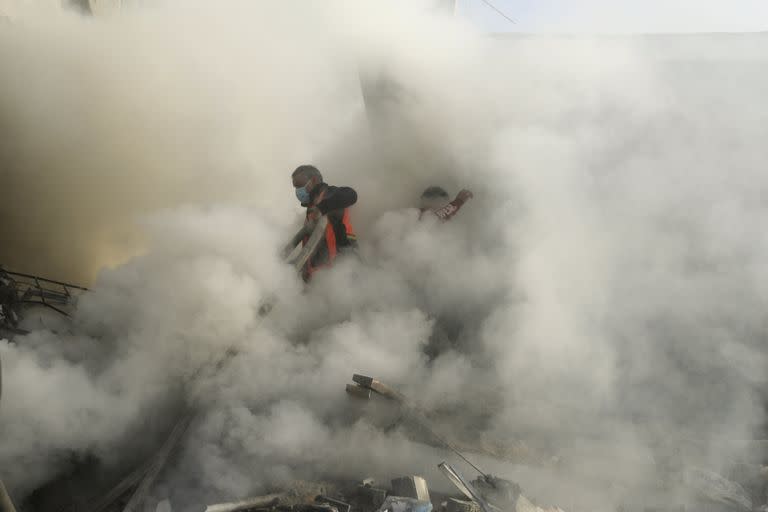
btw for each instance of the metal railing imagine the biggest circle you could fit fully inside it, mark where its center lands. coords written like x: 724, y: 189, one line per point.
x: 36, y: 290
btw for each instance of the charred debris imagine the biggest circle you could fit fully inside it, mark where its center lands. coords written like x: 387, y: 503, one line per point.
x: 89, y: 487
x: 142, y: 489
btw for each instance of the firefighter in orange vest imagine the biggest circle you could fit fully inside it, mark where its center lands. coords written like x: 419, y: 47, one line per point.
x: 319, y: 199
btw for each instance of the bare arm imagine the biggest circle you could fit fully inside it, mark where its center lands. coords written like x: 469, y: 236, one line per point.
x: 448, y: 211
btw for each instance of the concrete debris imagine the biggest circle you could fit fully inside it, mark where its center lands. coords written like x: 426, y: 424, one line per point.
x: 492, y: 494
x: 403, y: 504
x: 339, y: 505
x: 369, y: 496
x: 463, y: 485
x: 411, y: 487
x: 457, y: 505
x: 497, y: 490
x: 486, y: 493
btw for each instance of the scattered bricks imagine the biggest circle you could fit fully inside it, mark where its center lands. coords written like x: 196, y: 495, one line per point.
x: 454, y: 505
x: 411, y: 487
x: 358, y: 391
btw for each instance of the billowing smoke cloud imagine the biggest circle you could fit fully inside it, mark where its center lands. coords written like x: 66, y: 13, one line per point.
x: 601, y: 294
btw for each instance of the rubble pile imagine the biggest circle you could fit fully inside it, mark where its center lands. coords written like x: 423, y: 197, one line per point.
x: 405, y: 494
x: 680, y: 484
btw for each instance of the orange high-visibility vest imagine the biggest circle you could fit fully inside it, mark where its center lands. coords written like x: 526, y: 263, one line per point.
x: 332, y: 243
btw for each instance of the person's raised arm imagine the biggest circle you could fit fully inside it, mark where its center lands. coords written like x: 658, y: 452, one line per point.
x: 449, y: 210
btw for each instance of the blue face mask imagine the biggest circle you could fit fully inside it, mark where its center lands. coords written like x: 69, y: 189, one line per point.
x: 302, y: 194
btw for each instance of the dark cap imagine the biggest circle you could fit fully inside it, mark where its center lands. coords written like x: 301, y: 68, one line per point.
x: 307, y: 170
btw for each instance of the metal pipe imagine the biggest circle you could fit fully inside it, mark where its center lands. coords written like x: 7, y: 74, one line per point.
x: 258, y: 502
x: 30, y: 276
x: 465, y: 487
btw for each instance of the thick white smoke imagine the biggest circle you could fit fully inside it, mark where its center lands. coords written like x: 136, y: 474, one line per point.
x: 603, y: 287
